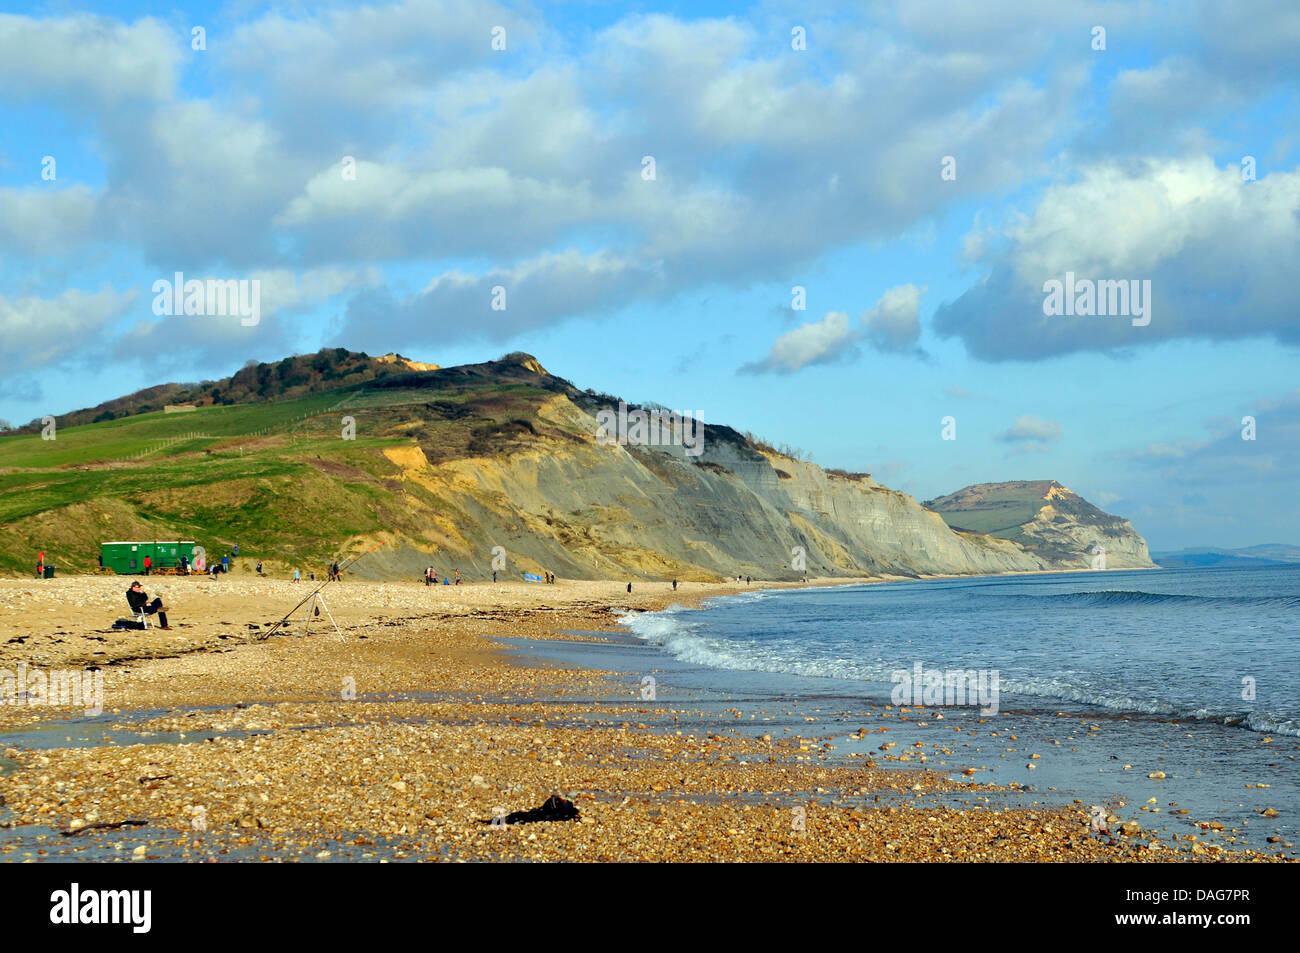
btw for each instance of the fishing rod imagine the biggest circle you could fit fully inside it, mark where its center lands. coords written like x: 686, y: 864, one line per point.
x: 311, y: 595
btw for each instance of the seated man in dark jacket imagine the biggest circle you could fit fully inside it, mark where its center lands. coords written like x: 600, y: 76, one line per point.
x: 138, y: 599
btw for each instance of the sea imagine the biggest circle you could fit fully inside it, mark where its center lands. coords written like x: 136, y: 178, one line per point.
x: 1102, y: 678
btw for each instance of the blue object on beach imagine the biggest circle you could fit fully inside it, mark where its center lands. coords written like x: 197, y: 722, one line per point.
x: 531, y: 578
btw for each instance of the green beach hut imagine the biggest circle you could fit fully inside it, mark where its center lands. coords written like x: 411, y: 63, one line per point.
x: 127, y: 556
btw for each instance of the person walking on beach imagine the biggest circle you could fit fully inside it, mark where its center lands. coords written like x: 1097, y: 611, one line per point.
x: 457, y: 572
x: 296, y: 575
x: 629, y: 587
x: 138, y: 600
x: 494, y: 575
x: 334, y: 572
x: 674, y: 585
x: 225, y: 563
x: 236, y: 550
x: 147, y: 563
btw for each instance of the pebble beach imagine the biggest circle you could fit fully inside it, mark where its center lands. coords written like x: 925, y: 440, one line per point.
x: 406, y: 736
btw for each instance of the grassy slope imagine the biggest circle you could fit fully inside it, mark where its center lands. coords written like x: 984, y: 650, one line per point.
x: 997, y: 511
x: 275, y: 477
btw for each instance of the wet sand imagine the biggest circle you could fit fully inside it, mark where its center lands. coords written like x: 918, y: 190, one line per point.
x: 402, y: 739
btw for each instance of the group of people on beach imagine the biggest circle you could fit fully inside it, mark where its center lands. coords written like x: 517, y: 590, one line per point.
x: 431, y: 577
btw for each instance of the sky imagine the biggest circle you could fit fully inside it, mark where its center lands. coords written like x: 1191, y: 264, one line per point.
x: 834, y: 225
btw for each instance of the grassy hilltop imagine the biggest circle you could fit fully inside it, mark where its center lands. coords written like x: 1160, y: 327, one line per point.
x: 273, y: 474
x: 1041, y: 515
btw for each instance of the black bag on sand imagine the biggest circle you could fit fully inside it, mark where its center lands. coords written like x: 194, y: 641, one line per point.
x: 556, y: 808
x: 128, y: 624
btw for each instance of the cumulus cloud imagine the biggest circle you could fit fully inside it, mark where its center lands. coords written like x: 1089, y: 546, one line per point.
x: 495, y: 305
x: 765, y: 161
x: 40, y: 331
x: 87, y: 62
x: 176, y: 340
x: 893, y: 323
x: 820, y: 342
x: 37, y: 222
x: 1031, y: 429
x: 1218, y: 253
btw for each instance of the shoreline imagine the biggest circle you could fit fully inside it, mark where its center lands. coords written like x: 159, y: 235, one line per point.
x: 400, y: 742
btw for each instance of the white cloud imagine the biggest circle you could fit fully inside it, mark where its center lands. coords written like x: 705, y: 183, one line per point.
x: 819, y: 342
x: 893, y: 323
x: 39, y: 331
x: 457, y: 305
x: 1217, y: 250
x: 45, y: 221
x: 1031, y: 428
x: 87, y: 61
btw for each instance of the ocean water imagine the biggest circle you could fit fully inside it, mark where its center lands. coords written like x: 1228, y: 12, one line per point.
x: 1104, y: 679
x: 1208, y: 645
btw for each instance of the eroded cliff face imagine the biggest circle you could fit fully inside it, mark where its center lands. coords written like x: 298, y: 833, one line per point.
x: 1072, y: 533
x: 1048, y: 520
x: 581, y: 508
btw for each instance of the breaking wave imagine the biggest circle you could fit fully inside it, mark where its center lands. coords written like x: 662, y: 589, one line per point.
x: 682, y: 634
x: 1124, y: 597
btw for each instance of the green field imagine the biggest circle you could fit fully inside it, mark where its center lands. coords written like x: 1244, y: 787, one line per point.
x: 1002, y: 519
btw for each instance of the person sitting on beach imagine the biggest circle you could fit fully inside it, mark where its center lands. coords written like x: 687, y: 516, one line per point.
x: 139, y: 602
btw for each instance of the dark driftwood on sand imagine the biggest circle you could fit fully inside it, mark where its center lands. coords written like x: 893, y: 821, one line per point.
x: 103, y: 826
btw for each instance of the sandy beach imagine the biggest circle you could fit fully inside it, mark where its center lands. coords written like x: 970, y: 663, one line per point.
x: 404, y: 738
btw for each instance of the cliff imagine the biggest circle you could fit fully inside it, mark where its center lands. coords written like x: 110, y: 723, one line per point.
x: 1046, y: 519
x: 445, y: 464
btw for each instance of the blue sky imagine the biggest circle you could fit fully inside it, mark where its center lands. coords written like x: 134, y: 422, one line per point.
x: 775, y: 167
